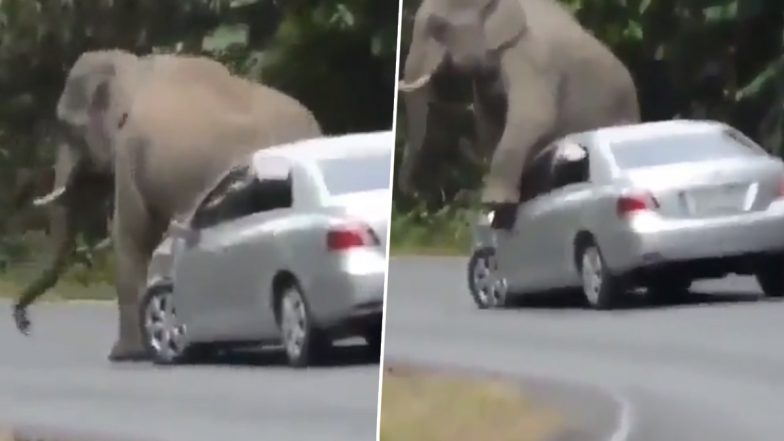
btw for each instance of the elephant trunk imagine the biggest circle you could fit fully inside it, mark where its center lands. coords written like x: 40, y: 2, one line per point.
x: 416, y: 103
x: 61, y: 229
x: 64, y: 241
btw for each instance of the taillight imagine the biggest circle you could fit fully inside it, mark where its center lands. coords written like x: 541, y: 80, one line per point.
x: 344, y: 237
x: 781, y: 188
x: 633, y: 203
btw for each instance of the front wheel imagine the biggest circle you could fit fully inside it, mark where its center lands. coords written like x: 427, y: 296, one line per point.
x: 487, y: 288
x: 600, y: 288
x: 303, y: 342
x: 770, y: 276
x: 164, y: 336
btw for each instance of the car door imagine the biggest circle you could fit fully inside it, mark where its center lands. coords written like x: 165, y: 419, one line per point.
x: 558, y: 216
x: 252, y: 257
x: 518, y: 249
x: 199, y: 272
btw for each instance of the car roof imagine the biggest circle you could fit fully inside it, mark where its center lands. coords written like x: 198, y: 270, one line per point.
x: 650, y: 130
x: 335, y: 146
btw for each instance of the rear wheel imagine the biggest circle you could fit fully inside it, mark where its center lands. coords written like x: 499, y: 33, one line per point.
x: 770, y: 276
x: 601, y: 289
x: 487, y: 288
x: 302, y: 341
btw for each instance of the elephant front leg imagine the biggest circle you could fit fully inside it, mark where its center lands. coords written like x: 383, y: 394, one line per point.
x: 132, y: 252
x: 530, y: 119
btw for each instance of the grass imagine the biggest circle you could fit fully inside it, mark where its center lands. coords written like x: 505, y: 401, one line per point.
x: 417, y: 406
x: 445, y: 232
x: 79, y: 282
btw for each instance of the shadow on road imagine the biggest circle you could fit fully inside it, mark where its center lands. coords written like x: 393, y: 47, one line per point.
x: 338, y: 356
x: 635, y: 300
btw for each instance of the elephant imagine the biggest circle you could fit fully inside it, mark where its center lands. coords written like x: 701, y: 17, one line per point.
x: 163, y: 127
x: 536, y: 75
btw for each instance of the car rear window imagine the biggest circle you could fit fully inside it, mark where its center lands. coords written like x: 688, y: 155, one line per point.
x: 356, y: 174
x: 682, y: 148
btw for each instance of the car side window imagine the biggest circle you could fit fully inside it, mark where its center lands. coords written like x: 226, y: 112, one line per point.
x: 208, y: 212
x: 250, y: 195
x: 536, y: 178
x: 570, y: 166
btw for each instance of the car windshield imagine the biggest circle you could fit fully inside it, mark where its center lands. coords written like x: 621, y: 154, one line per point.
x: 356, y: 174
x: 682, y: 148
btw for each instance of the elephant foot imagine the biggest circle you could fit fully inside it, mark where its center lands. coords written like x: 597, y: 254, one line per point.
x: 122, y: 352
x: 504, y: 217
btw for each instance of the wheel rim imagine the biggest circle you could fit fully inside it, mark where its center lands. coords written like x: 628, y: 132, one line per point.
x: 489, y: 287
x: 293, y: 323
x: 591, y: 270
x: 165, y: 334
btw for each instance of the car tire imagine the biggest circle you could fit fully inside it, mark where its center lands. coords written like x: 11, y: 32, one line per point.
x: 302, y: 341
x: 164, y: 337
x: 770, y: 276
x: 483, y: 283
x: 600, y: 288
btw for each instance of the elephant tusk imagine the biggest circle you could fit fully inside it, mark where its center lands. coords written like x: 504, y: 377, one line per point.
x: 104, y: 244
x: 51, y: 197
x: 410, y: 87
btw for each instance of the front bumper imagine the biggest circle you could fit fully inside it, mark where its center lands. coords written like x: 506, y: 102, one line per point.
x: 651, y: 241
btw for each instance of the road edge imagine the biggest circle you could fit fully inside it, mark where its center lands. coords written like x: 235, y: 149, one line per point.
x: 623, y: 417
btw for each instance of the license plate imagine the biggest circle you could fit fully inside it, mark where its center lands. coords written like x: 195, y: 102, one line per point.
x: 726, y: 199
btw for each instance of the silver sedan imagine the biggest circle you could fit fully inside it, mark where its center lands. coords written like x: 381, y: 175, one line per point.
x: 652, y: 205
x: 287, y: 247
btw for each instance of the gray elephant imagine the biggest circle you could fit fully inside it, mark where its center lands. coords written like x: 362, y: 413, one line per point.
x: 163, y: 127
x: 536, y: 75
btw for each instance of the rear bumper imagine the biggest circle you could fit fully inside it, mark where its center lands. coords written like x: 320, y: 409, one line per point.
x: 352, y: 292
x: 651, y: 242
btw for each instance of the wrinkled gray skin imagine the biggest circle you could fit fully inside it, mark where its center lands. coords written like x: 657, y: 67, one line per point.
x: 63, y: 222
x: 536, y: 73
x: 164, y: 127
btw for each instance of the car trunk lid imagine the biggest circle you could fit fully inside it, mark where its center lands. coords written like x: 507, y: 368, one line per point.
x: 710, y: 188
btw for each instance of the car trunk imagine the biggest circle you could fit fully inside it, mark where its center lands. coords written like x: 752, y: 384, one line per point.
x: 711, y: 188
x: 373, y: 207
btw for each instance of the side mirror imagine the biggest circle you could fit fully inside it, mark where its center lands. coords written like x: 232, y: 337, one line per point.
x: 183, y: 231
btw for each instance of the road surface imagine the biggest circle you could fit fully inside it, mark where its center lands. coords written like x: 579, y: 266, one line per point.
x: 59, y: 377
x: 712, y: 369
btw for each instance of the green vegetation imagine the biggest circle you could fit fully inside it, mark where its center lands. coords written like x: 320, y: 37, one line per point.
x: 336, y: 56
x: 417, y: 406
x: 717, y: 59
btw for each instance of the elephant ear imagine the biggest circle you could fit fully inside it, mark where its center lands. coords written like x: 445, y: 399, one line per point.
x: 504, y: 21
x: 98, y: 108
x: 78, y: 99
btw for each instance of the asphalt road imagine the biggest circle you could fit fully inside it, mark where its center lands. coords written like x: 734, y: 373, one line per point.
x: 59, y: 378
x: 711, y: 369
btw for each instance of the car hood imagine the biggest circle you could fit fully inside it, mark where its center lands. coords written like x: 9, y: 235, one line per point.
x: 374, y: 207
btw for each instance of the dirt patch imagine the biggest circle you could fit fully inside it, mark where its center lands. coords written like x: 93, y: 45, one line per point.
x: 419, y: 405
